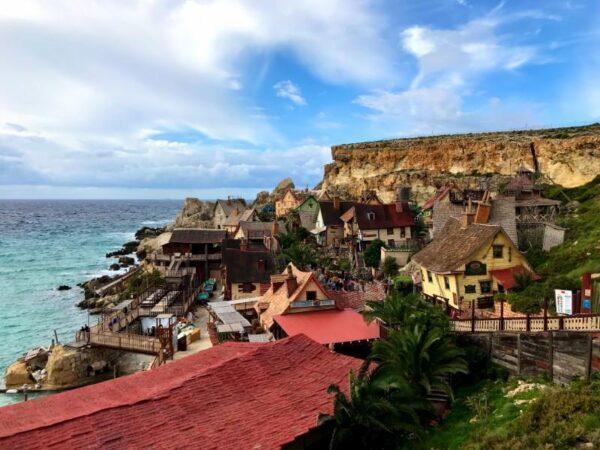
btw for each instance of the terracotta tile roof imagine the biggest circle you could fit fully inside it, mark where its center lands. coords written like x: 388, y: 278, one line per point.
x: 197, y: 236
x: 333, y: 326
x: 197, y: 401
x: 385, y: 216
x: 243, y: 266
x: 506, y: 277
x: 278, y: 300
x: 356, y: 299
x: 454, y: 246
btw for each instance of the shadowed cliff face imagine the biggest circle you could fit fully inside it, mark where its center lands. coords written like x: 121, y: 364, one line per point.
x: 566, y: 156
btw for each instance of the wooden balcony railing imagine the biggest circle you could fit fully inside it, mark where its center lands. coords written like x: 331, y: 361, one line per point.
x: 580, y: 322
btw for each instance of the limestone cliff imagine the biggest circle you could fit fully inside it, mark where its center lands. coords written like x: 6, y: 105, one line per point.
x: 194, y: 214
x: 566, y: 156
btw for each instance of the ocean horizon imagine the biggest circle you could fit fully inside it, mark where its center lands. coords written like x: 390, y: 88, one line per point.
x: 47, y: 243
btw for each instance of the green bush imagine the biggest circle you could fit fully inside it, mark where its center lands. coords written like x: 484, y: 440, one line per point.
x: 389, y: 266
x: 372, y: 254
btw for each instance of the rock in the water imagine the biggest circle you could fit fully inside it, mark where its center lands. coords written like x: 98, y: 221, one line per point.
x: 126, y: 261
x: 114, y: 267
x: 63, y: 287
x: 17, y: 375
x: 148, y: 232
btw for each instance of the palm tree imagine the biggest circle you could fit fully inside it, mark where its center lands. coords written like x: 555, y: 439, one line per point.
x: 424, y: 357
x: 374, y: 414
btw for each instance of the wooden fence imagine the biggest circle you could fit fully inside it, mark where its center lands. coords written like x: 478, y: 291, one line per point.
x: 580, y: 322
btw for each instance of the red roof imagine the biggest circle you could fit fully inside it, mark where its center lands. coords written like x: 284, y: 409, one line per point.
x: 506, y: 277
x: 381, y: 216
x: 232, y: 396
x: 437, y: 196
x: 330, y: 326
x: 356, y: 299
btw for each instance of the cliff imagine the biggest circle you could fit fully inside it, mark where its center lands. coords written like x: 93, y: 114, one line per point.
x: 566, y: 156
x: 194, y: 214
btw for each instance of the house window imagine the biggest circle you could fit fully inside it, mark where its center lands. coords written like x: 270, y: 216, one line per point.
x: 402, y: 232
x: 311, y: 295
x: 485, y: 286
x: 498, y: 251
x: 390, y: 231
x: 371, y: 215
x: 429, y: 277
x: 391, y: 243
x: 470, y: 289
x: 246, y: 287
x: 475, y: 268
x: 447, y: 282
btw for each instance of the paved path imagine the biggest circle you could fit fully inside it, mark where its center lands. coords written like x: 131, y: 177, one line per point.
x: 201, y: 321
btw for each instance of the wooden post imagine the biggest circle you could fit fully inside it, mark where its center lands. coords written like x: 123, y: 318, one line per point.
x: 589, y: 356
x: 519, y: 353
x: 528, y: 323
x: 561, y: 323
x: 472, y: 316
x: 56, y: 336
x: 501, y: 326
x: 551, y: 355
x: 447, y: 306
x: 545, y: 313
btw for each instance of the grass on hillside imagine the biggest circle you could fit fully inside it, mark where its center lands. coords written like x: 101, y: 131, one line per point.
x: 484, y: 417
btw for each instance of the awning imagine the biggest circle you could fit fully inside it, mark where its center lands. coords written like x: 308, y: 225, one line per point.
x: 506, y: 277
x: 318, y: 230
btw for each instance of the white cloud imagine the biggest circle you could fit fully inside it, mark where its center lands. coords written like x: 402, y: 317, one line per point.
x: 450, y: 63
x: 287, y: 89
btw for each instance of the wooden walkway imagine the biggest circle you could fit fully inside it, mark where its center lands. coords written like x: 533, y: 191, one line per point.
x: 582, y: 322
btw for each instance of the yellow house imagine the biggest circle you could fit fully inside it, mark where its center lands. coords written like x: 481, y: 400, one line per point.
x: 470, y: 261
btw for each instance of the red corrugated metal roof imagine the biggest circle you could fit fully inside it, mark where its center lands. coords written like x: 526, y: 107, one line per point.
x: 200, y: 401
x: 506, y: 277
x: 331, y: 326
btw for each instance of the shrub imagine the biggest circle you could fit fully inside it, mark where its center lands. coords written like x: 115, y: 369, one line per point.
x: 372, y: 254
x: 390, y: 266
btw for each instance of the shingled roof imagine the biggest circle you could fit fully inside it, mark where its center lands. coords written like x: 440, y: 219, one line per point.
x: 232, y: 204
x: 331, y: 215
x: 197, y: 236
x: 199, y: 401
x: 454, y: 246
x: 243, y: 266
x: 385, y: 216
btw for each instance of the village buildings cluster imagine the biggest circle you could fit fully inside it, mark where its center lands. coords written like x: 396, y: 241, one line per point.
x: 281, y: 331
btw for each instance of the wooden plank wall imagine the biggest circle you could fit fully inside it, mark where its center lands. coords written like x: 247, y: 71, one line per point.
x: 563, y: 355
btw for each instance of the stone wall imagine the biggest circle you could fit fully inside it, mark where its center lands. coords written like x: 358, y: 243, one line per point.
x: 562, y: 355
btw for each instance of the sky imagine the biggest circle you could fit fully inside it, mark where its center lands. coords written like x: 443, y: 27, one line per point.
x: 208, y: 98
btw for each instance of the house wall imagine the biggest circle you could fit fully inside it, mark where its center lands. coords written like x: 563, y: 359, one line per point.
x: 458, y: 281
x: 219, y: 216
x: 284, y: 204
x: 309, y: 205
x: 372, y: 234
x: 401, y: 256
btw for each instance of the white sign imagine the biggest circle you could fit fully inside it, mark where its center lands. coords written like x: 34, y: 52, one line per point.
x: 564, y: 301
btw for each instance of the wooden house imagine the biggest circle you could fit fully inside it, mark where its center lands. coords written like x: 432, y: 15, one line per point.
x: 225, y: 208
x: 470, y: 260
x: 244, y: 271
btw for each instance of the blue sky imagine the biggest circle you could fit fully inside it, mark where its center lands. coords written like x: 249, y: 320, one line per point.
x: 167, y: 99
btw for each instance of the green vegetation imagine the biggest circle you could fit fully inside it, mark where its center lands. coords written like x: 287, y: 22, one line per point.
x: 563, y: 266
x: 403, y: 284
x: 389, y: 266
x: 389, y: 402
x: 516, y: 415
x: 139, y: 282
x: 372, y: 254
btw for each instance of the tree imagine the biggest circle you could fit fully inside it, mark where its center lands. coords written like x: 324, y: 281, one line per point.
x: 390, y: 267
x: 373, y: 415
x: 373, y: 253
x: 421, y: 356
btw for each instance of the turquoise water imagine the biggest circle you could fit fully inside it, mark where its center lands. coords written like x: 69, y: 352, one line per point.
x: 47, y: 243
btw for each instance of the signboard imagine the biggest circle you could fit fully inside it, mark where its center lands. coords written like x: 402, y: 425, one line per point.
x: 564, y: 301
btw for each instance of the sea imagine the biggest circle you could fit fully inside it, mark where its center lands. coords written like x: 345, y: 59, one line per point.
x: 47, y: 243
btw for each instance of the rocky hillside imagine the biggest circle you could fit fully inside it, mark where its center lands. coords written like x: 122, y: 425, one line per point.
x: 194, y: 214
x: 566, y: 156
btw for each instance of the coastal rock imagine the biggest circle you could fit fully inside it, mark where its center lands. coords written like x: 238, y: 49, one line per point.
x: 127, y: 249
x: 114, y: 267
x: 566, y: 156
x: 17, y: 375
x: 148, y: 232
x: 63, y: 287
x: 126, y: 260
x: 194, y: 214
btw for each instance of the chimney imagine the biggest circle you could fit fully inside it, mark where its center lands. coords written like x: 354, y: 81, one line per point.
x: 484, y: 208
x: 262, y: 266
x: 243, y: 244
x: 275, y: 228
x: 467, y: 216
x: 291, y: 281
x: 336, y: 202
